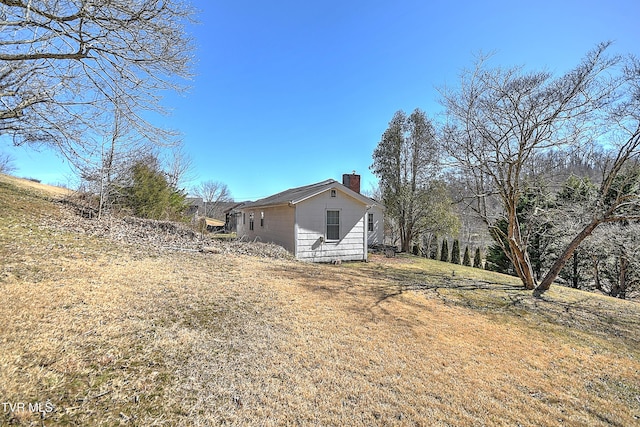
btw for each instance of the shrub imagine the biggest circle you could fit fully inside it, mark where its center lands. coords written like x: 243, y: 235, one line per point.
x: 444, y: 252
x: 466, y: 260
x: 150, y: 196
x: 455, y: 252
x: 477, y: 259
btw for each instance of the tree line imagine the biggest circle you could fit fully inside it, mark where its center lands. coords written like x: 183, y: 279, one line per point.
x: 442, y: 253
x: 503, y: 128
x: 85, y: 79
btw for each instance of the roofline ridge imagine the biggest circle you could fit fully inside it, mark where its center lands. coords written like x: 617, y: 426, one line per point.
x: 296, y: 195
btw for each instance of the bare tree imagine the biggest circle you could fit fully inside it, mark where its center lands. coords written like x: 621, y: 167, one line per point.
x: 7, y: 165
x: 106, y: 171
x: 214, y: 194
x: 619, y: 193
x: 64, y: 64
x: 501, y: 120
x: 179, y: 166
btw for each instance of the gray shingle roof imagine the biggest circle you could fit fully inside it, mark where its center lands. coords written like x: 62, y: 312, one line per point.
x: 298, y: 194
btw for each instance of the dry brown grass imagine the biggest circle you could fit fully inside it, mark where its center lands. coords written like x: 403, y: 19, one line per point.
x: 42, y: 189
x: 126, y: 335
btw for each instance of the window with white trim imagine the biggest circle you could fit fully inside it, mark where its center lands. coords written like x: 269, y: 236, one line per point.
x: 333, y: 225
x: 370, y: 222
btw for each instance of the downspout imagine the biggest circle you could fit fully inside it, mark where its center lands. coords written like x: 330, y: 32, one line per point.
x: 366, y: 233
x: 295, y: 230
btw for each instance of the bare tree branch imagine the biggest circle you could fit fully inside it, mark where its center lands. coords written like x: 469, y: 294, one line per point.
x: 64, y: 64
x: 214, y: 195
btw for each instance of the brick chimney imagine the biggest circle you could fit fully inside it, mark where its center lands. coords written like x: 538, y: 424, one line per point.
x: 352, y: 181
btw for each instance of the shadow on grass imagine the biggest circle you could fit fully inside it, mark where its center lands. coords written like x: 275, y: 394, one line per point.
x: 371, y: 285
x: 576, y: 310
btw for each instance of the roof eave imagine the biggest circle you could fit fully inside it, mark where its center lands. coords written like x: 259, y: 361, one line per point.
x: 266, y: 205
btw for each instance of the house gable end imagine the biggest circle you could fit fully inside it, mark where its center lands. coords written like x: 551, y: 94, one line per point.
x: 331, y: 228
x: 321, y: 222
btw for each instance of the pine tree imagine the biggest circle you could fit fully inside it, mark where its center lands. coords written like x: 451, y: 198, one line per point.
x: 455, y: 252
x: 466, y: 260
x: 477, y: 259
x: 150, y: 195
x: 444, y: 252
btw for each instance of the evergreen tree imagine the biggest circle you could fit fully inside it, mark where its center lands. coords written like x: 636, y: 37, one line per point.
x: 455, y: 252
x: 444, y: 252
x: 477, y: 259
x: 536, y: 228
x: 496, y: 257
x: 149, y: 195
x: 466, y: 260
x: 406, y: 163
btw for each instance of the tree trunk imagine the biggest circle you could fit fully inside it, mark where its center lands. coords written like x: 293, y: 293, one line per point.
x: 619, y: 290
x: 406, y: 244
x: 574, y: 276
x: 520, y: 257
x: 101, y: 201
x: 596, y: 273
x: 624, y: 264
x: 553, y: 272
x: 402, y: 225
x: 522, y: 265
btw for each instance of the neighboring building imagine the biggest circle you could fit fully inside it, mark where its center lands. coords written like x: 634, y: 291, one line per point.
x: 231, y: 218
x: 214, y: 225
x: 321, y: 222
x: 216, y: 218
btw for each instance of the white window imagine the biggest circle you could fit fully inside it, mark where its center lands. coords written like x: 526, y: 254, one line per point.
x: 333, y: 193
x: 370, y: 222
x: 333, y: 225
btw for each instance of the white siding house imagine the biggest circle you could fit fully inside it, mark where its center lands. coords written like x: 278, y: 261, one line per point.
x: 321, y: 222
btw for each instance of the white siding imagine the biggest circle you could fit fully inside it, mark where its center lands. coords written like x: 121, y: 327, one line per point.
x: 278, y: 226
x: 376, y: 237
x: 311, y: 229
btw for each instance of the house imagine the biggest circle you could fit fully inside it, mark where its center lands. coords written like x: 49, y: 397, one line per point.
x: 322, y: 222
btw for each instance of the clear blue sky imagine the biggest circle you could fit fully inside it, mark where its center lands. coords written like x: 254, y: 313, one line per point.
x: 289, y: 93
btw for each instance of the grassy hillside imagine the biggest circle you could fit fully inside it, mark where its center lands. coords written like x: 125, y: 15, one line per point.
x: 96, y: 332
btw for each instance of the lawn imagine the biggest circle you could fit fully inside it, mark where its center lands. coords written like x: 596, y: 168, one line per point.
x: 95, y: 332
